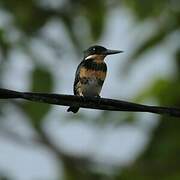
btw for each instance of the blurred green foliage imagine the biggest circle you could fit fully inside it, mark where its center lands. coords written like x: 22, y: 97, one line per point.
x: 25, y: 13
x: 160, y: 159
x: 4, y: 45
x: 145, y: 9
x: 41, y: 81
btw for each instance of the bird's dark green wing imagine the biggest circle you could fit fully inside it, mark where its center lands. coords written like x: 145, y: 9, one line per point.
x: 77, y: 76
x: 75, y: 109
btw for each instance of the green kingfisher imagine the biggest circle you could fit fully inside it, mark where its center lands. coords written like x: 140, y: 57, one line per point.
x: 91, y: 73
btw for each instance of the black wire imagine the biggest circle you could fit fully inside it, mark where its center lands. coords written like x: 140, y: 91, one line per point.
x: 88, y: 102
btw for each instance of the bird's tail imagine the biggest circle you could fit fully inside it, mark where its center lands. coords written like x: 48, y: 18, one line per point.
x: 73, y: 109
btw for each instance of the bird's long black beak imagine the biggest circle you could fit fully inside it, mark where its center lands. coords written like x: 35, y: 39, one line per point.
x: 109, y: 52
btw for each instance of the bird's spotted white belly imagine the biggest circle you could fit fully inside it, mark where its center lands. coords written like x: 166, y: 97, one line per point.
x: 91, y: 88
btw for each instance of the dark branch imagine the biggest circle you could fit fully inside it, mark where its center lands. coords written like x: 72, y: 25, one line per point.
x: 88, y: 102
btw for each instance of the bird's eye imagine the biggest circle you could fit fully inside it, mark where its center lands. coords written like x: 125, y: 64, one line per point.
x: 94, y: 49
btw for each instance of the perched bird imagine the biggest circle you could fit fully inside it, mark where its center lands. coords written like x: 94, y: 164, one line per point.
x: 91, y: 73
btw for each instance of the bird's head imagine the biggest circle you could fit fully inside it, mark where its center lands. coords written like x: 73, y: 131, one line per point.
x: 98, y: 52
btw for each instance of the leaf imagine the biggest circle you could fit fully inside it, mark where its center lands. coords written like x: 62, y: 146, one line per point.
x: 25, y: 14
x: 4, y: 44
x: 41, y: 81
x: 165, y: 91
x: 96, y: 14
x: 145, y: 9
